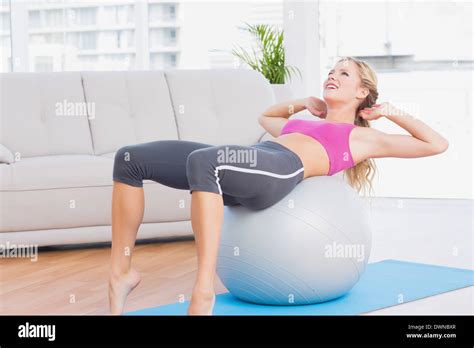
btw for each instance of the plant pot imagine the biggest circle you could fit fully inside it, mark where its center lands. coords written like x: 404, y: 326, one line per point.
x: 282, y: 92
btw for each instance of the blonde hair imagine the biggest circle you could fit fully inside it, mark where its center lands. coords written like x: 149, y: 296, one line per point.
x: 360, y: 176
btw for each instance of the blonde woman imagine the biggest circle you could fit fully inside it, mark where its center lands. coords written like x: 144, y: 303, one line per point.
x: 339, y: 139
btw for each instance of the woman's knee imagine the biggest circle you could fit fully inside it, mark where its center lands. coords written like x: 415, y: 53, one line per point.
x: 201, y: 171
x: 126, y: 169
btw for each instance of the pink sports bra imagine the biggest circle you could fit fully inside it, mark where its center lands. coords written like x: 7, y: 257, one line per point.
x: 334, y: 137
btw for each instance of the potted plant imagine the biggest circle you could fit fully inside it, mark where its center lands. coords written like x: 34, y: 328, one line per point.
x: 270, y: 59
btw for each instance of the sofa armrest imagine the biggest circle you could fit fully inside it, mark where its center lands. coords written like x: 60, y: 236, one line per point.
x: 6, y: 156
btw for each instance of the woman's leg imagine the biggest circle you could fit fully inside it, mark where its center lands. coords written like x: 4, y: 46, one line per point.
x: 263, y: 177
x: 207, y: 213
x: 162, y: 161
x: 127, y: 214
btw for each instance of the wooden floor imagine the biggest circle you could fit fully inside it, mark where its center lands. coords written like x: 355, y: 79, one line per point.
x: 438, y: 232
x: 74, y: 281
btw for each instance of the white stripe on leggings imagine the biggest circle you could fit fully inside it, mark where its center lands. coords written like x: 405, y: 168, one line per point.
x: 253, y: 171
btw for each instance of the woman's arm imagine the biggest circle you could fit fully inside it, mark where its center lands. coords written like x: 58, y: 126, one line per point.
x: 285, y: 109
x: 423, y: 141
x: 274, y: 118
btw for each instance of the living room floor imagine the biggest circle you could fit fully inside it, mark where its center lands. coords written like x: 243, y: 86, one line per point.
x: 72, y: 280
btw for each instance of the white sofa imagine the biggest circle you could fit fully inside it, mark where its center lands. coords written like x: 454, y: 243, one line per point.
x: 56, y: 160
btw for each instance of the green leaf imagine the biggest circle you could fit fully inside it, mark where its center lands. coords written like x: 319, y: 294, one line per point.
x: 270, y: 58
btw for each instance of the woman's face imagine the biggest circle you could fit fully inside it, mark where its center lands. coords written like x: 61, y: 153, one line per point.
x: 343, y: 85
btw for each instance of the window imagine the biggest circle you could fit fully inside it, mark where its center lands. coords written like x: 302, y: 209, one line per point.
x: 162, y: 37
x: 50, y: 38
x: 422, y: 53
x: 209, y: 30
x: 170, y: 37
x: 83, y: 16
x: 87, y: 41
x: 163, y: 60
x: 145, y: 34
x: 72, y: 34
x: 116, y: 15
x: 169, y: 11
x: 170, y: 60
x: 43, y: 63
x: 53, y: 18
x: 35, y: 20
x: 5, y: 37
x: 162, y: 12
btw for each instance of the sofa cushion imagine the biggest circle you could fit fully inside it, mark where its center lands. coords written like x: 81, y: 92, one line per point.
x: 219, y: 106
x: 43, y: 114
x: 73, y: 191
x: 131, y: 107
x: 61, y: 171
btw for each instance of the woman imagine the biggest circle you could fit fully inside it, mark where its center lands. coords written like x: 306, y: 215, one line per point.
x: 341, y: 141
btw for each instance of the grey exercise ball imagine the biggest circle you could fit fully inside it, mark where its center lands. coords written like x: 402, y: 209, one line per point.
x: 310, y: 247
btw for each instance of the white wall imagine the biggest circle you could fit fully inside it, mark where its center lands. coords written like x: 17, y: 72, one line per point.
x: 443, y: 100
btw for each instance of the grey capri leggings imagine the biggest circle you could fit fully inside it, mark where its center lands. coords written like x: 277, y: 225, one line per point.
x: 255, y: 176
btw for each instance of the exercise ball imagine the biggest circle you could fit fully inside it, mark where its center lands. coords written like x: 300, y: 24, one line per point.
x: 310, y: 247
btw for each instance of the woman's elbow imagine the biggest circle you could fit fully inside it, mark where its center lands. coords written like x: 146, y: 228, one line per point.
x: 441, y: 146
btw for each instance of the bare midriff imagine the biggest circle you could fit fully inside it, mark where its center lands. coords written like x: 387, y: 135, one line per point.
x: 311, y: 153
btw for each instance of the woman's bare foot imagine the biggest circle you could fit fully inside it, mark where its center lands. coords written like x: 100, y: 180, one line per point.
x: 119, y: 288
x: 202, y: 303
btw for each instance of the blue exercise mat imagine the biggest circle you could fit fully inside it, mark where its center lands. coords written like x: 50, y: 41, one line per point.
x: 383, y: 284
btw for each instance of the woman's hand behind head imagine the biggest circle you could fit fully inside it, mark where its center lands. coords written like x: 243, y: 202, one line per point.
x: 376, y: 111
x: 316, y: 106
